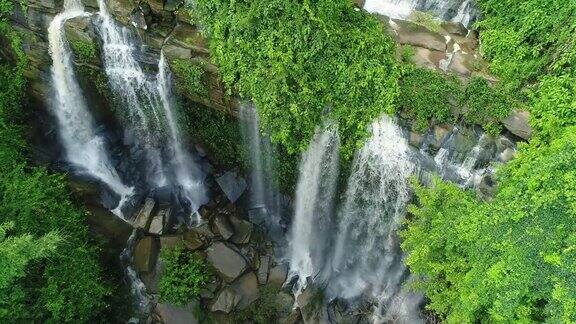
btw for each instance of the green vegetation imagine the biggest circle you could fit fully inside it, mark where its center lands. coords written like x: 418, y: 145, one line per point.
x: 299, y: 60
x: 486, y: 105
x: 217, y: 132
x: 85, y: 52
x: 190, y: 77
x: 511, y: 259
x: 264, y: 310
x: 184, y: 275
x: 426, y: 95
x: 62, y: 281
x: 427, y: 20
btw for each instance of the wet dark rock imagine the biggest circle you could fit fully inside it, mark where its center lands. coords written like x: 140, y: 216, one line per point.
x: 247, y: 288
x: 145, y: 254
x: 228, y: 263
x: 277, y: 276
x: 170, y: 242
x: 416, y: 35
x: 242, y: 230
x: 192, y: 240
x: 172, y: 5
x: 138, y: 19
x: 232, y: 185
x: 263, y: 269
x: 142, y: 220
x: 226, y: 301
x: 223, y: 226
x: 172, y: 314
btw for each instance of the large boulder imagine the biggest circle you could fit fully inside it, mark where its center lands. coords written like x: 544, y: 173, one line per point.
x: 226, y: 301
x: 277, y: 276
x: 247, y: 288
x: 228, y: 263
x: 417, y: 35
x: 518, y: 124
x: 172, y: 314
x: 242, y: 230
x: 145, y: 254
x: 223, y: 226
x: 232, y: 184
x: 142, y: 220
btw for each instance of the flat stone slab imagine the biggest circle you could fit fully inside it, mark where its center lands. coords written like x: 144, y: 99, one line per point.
x: 227, y: 262
x: 232, y: 184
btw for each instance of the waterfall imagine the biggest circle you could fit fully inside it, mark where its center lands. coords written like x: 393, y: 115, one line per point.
x: 463, y: 11
x: 312, y: 222
x: 367, y: 256
x: 138, y: 95
x: 84, y: 148
x: 142, y: 301
x: 148, y: 105
x: 187, y: 174
x: 264, y: 198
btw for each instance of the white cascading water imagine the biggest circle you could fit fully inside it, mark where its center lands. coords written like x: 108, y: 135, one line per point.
x: 187, y: 174
x: 84, y: 148
x: 463, y: 11
x: 264, y: 198
x: 151, y: 113
x: 367, y: 257
x: 312, y: 223
x: 137, y: 93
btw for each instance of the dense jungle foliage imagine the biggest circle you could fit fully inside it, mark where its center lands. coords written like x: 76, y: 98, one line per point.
x: 511, y: 259
x: 50, y: 271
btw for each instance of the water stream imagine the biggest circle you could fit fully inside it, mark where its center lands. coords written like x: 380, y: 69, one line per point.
x: 265, y: 207
x: 85, y: 149
x: 149, y: 112
x: 312, y: 224
x: 463, y: 11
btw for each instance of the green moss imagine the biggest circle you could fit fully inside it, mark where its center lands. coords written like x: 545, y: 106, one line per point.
x: 427, y: 95
x: 85, y: 52
x: 184, y: 275
x: 426, y: 20
x: 190, y: 77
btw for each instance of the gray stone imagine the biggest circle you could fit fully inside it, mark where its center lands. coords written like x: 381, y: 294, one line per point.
x: 145, y: 254
x: 172, y: 314
x: 157, y: 225
x: 143, y: 218
x: 232, y: 184
x: 277, y: 276
x: 263, y: 269
x: 138, y: 20
x: 462, y: 63
x: 247, y: 288
x: 121, y: 9
x: 416, y: 35
x: 416, y: 139
x: 455, y: 28
x: 426, y: 58
x: 226, y: 301
x: 173, y: 52
x: 242, y: 230
x: 192, y: 240
x: 507, y: 155
x: 170, y: 242
x: 518, y: 124
x: 171, y: 5
x: 223, y: 226
x: 228, y: 263
x: 187, y: 36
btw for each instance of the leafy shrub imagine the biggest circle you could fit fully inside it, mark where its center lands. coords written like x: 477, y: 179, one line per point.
x: 509, y: 260
x: 485, y: 105
x: 299, y: 60
x: 426, y: 95
x: 85, y: 52
x: 263, y: 311
x: 184, y: 275
x: 190, y: 77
